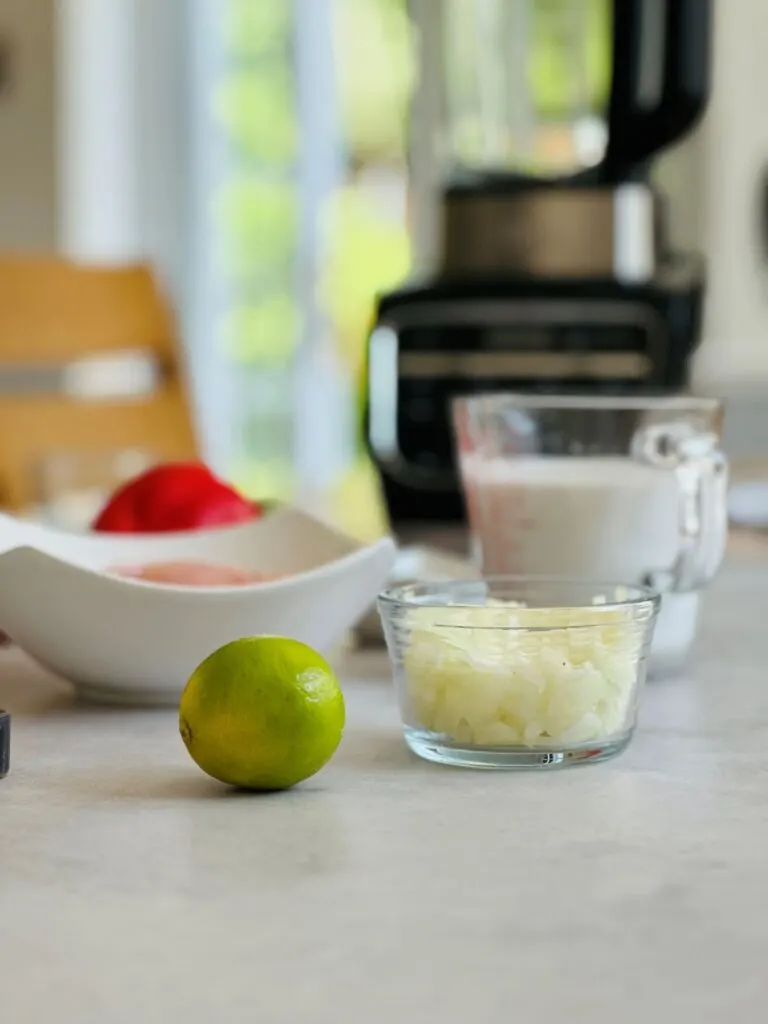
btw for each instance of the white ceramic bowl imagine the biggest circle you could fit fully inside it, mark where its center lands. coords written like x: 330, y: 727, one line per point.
x: 134, y: 642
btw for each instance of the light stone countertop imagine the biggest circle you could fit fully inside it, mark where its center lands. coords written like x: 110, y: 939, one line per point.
x: 133, y: 890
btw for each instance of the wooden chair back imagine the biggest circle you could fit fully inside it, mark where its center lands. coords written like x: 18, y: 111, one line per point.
x: 89, y: 363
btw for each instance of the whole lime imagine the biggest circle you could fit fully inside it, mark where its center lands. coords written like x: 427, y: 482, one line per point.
x: 262, y: 713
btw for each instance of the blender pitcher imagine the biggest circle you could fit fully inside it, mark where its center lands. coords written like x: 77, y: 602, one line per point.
x: 534, y: 123
x: 527, y: 84
x: 626, y: 489
x: 547, y: 89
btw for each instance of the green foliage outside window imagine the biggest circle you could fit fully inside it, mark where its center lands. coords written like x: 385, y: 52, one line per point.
x: 375, y: 72
x: 255, y: 217
x: 257, y: 28
x: 264, y: 332
x: 259, y: 220
x: 256, y: 111
x: 368, y: 252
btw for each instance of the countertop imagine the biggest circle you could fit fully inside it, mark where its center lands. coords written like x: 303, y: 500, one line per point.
x: 133, y: 890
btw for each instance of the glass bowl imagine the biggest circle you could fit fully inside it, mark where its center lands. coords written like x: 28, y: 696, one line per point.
x: 518, y: 671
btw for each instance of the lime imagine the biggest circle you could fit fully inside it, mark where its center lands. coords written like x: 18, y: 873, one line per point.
x: 262, y: 713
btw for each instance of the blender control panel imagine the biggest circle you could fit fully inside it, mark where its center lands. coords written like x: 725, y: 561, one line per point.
x: 419, y: 364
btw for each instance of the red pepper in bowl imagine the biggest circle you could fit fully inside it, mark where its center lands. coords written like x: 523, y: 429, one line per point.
x: 174, y: 497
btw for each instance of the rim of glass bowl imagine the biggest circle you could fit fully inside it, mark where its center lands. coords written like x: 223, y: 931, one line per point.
x: 449, y: 594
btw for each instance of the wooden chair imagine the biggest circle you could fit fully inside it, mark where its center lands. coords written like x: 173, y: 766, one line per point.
x: 72, y: 338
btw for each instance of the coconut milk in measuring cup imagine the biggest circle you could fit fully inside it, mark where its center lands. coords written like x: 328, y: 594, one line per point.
x: 626, y: 489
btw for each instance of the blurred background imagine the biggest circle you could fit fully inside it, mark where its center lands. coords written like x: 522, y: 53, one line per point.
x: 254, y: 154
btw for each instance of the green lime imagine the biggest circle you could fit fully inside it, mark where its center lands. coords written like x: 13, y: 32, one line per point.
x: 262, y: 713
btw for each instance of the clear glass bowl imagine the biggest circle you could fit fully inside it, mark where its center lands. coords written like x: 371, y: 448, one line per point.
x: 516, y: 671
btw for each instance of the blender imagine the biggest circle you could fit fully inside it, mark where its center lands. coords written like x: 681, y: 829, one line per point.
x: 543, y: 258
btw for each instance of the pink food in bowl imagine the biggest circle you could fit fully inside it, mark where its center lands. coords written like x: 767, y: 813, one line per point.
x: 194, y: 574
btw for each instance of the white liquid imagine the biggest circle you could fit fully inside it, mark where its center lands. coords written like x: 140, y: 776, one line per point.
x: 605, y: 518
x: 601, y: 518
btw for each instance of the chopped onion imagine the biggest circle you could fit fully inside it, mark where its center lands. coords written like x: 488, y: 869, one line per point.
x: 506, y: 675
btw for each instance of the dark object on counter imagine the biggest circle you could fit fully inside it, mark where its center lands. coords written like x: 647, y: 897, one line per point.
x: 5, y: 743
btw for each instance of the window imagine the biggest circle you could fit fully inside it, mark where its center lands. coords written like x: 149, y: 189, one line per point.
x: 297, y: 163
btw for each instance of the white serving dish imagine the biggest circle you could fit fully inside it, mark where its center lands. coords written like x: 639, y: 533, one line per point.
x: 134, y: 642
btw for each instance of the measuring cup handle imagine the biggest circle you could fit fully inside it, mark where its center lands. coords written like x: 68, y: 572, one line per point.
x: 701, y: 470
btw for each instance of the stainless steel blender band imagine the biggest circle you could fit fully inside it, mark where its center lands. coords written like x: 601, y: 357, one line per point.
x: 553, y: 232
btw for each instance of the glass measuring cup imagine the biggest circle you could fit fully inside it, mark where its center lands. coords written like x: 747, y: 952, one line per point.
x: 579, y: 485
x: 627, y: 488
